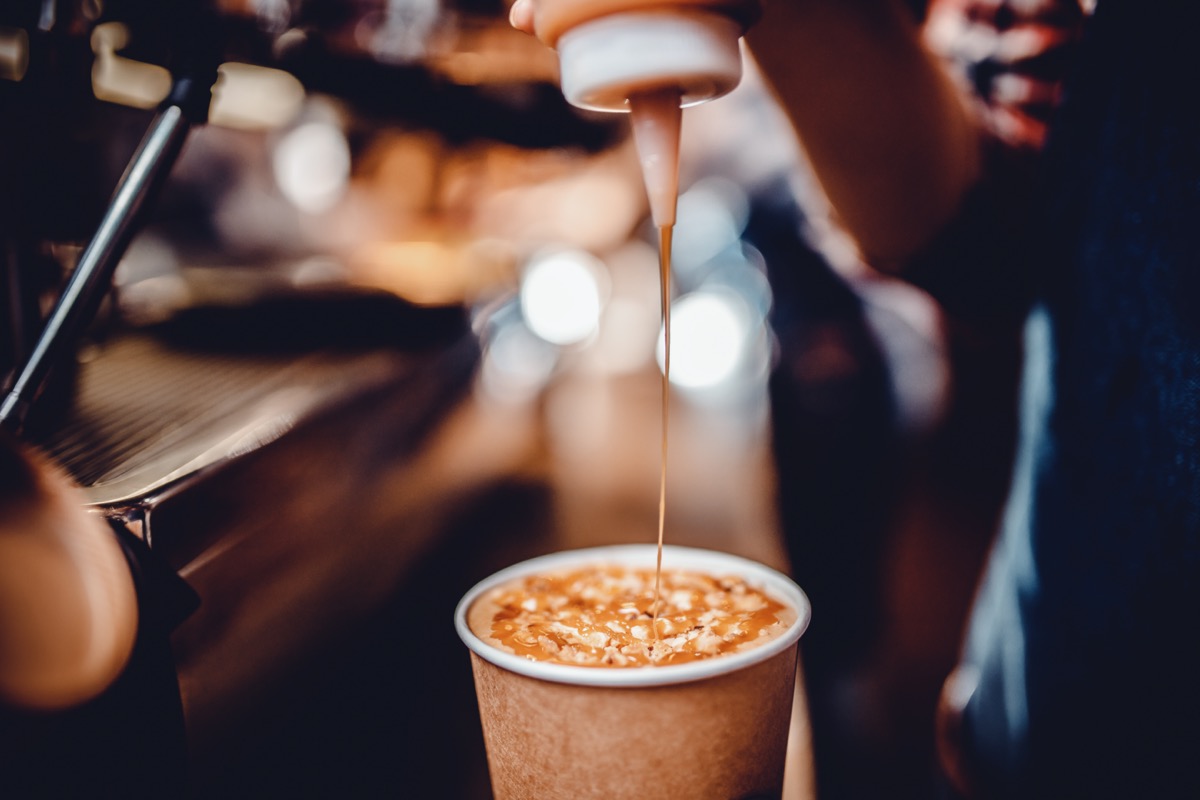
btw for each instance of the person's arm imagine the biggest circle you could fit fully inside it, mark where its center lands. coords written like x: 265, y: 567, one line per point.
x: 68, y: 605
x: 887, y: 133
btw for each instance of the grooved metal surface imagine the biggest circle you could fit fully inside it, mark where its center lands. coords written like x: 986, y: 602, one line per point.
x: 141, y: 406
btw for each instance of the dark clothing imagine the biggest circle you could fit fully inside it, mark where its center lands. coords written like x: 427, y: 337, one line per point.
x: 1087, y: 632
x: 129, y: 742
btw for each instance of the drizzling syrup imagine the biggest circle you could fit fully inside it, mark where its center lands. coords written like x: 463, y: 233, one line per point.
x: 656, y: 117
x: 664, y: 267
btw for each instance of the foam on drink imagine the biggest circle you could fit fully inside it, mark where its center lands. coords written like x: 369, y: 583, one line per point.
x: 600, y: 615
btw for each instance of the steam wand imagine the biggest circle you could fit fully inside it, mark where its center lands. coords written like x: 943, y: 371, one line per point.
x: 185, y: 106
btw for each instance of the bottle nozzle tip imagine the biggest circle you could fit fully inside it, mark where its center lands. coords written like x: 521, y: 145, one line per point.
x: 656, y: 118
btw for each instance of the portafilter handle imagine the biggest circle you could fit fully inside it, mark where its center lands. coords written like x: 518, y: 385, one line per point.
x: 187, y: 105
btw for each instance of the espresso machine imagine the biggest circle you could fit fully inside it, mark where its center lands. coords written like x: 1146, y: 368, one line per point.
x: 260, y: 439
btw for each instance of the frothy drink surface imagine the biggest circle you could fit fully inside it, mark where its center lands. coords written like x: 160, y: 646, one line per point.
x: 602, y: 616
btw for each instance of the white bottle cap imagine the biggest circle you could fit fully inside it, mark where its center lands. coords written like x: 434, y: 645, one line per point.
x: 605, y: 61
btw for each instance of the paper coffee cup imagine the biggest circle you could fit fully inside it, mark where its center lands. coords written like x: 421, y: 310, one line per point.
x: 715, y: 728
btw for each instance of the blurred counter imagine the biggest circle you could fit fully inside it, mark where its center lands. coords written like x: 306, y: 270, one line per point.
x: 290, y: 460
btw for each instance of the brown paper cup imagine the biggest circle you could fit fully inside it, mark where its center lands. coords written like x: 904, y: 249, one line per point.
x: 707, y: 730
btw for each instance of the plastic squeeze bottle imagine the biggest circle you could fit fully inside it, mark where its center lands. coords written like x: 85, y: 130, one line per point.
x: 649, y: 59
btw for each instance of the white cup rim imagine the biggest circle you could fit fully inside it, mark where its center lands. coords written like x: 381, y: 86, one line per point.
x: 758, y: 575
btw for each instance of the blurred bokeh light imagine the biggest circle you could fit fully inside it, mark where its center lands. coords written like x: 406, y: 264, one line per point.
x: 312, y: 165
x: 710, y: 332
x: 561, y: 296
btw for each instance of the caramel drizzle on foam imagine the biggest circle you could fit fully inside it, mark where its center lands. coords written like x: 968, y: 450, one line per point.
x: 603, y: 617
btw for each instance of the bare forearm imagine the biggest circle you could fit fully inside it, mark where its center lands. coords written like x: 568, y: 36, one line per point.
x: 887, y: 134
x: 68, y: 606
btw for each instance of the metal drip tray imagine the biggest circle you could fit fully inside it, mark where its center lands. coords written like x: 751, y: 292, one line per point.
x: 154, y: 408
x: 147, y: 416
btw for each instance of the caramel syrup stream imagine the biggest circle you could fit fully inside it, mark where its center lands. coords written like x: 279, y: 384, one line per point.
x: 664, y: 262
x: 656, y: 117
